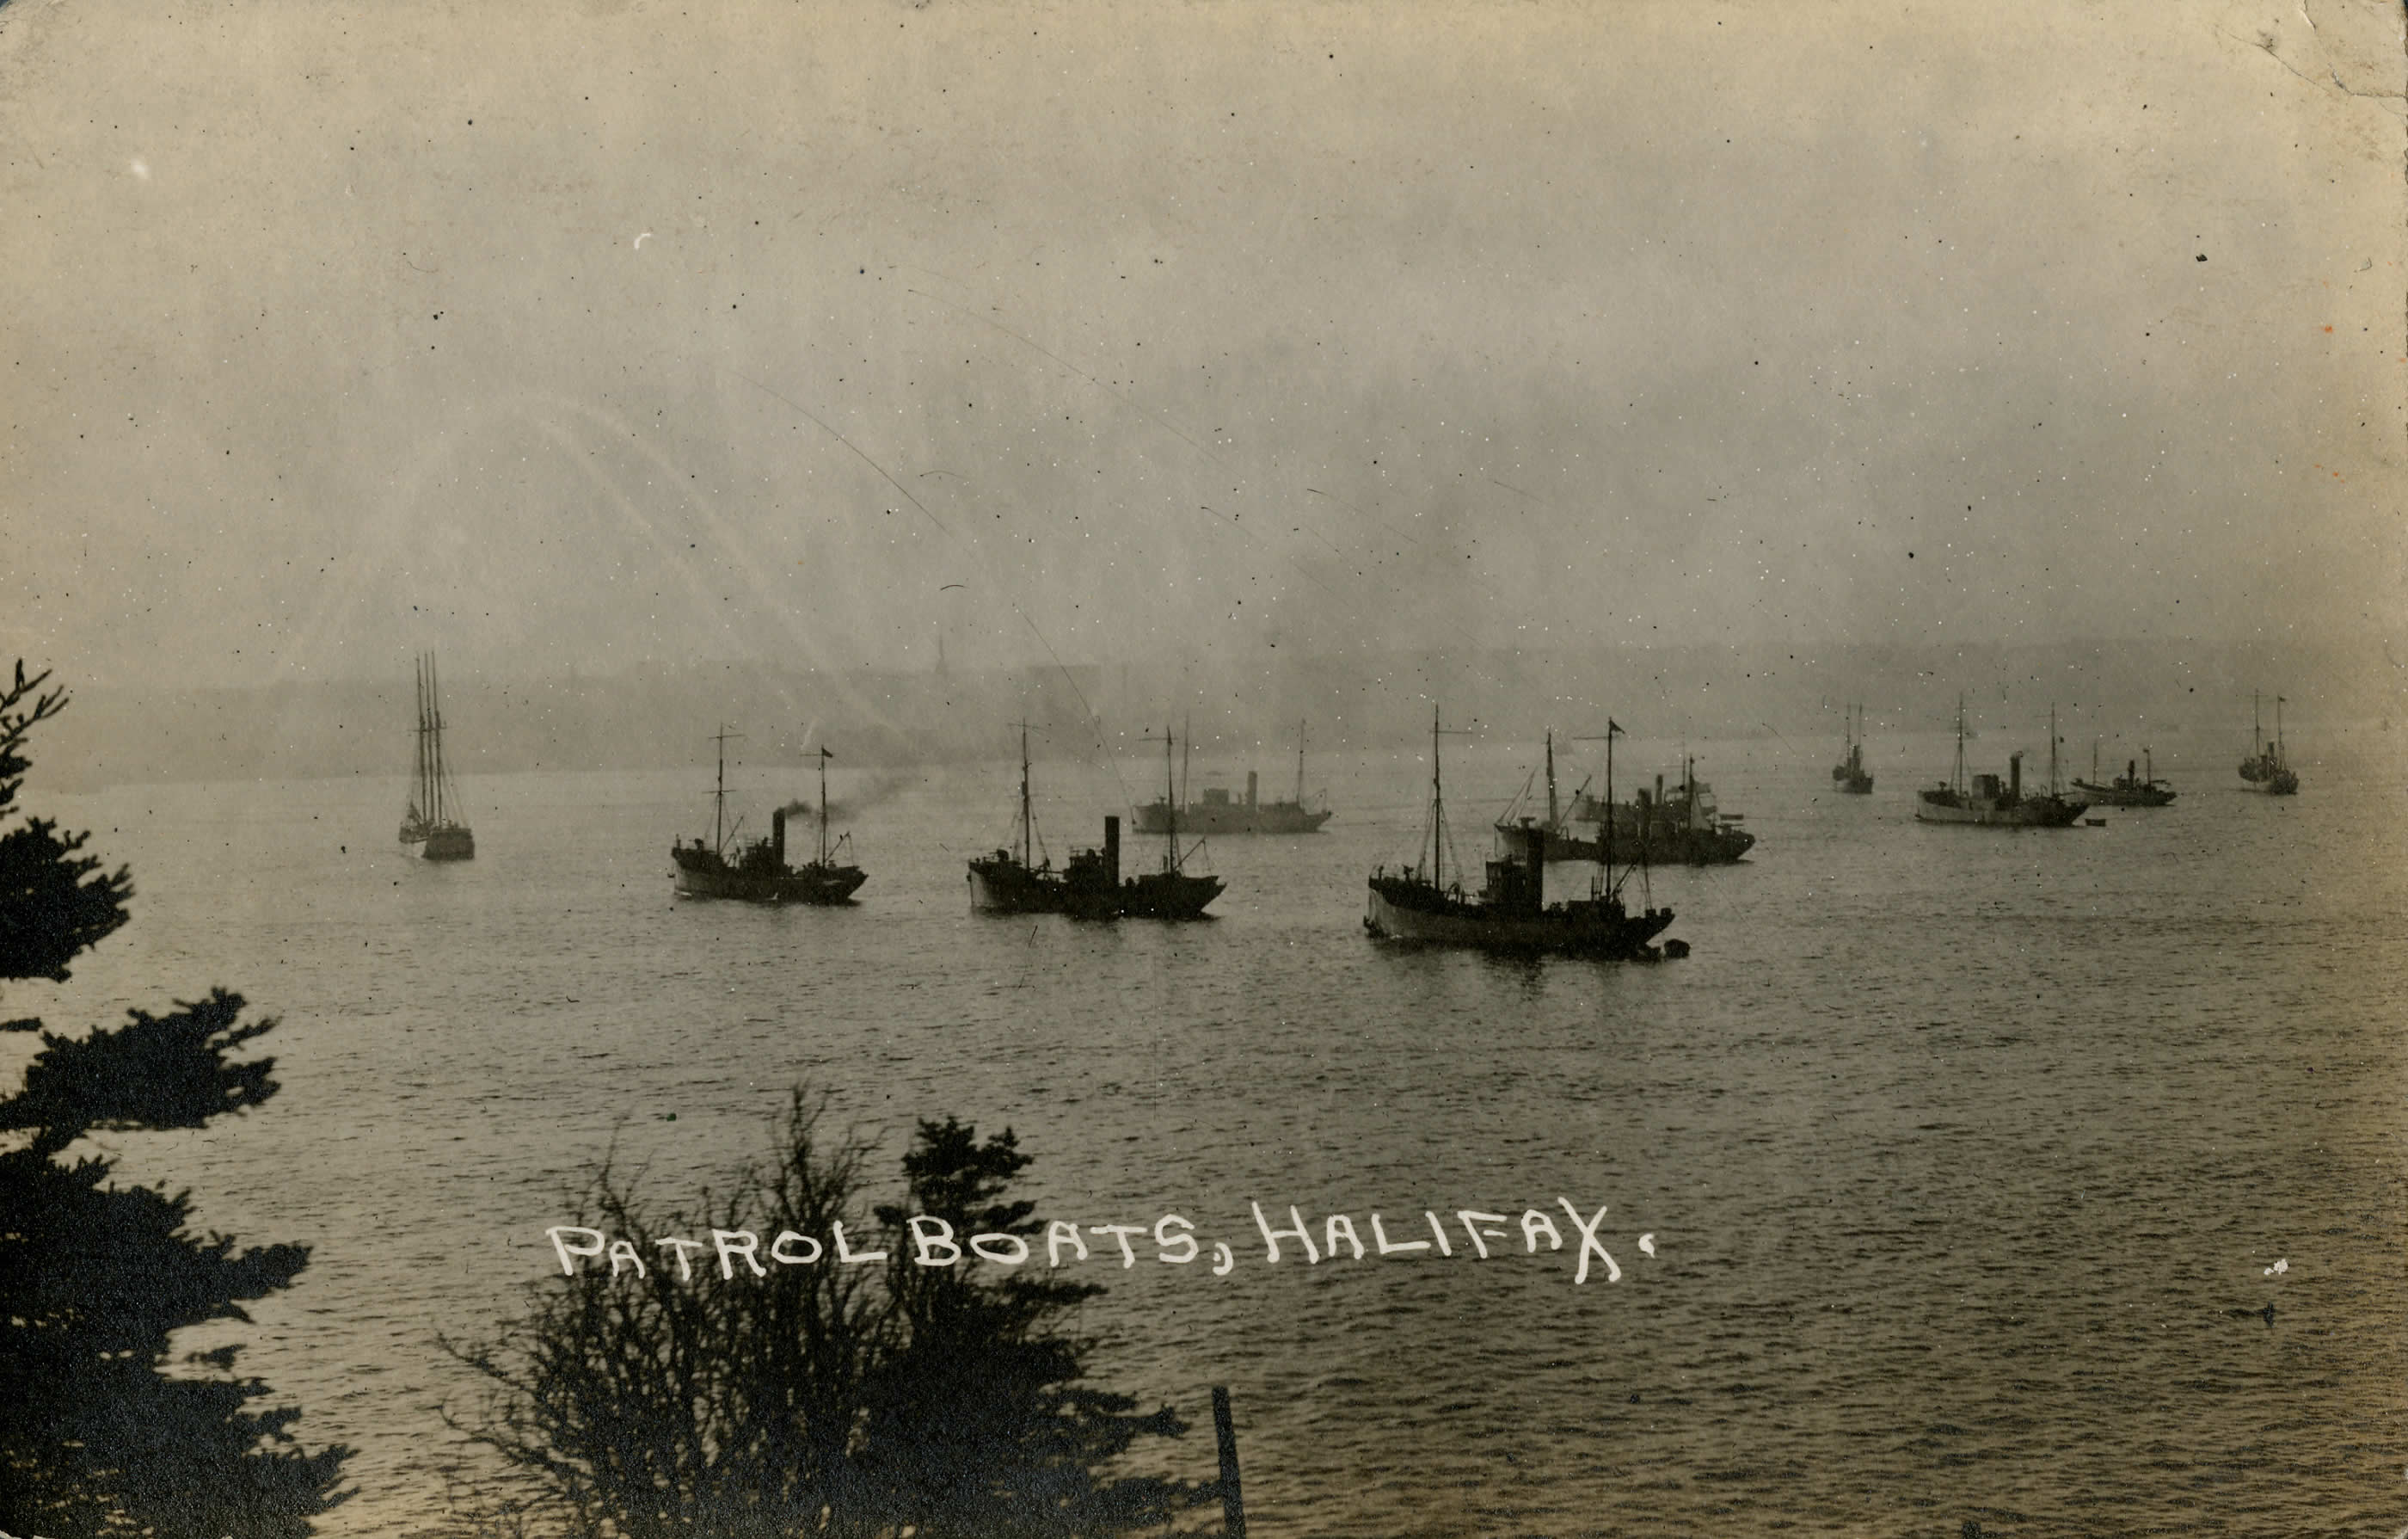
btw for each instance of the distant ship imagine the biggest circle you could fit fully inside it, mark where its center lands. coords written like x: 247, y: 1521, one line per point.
x: 2265, y: 767
x: 1684, y: 829
x: 1420, y: 902
x: 1089, y: 886
x: 1987, y: 803
x: 429, y: 825
x: 1850, y: 771
x: 758, y: 873
x: 2132, y: 788
x: 1217, y: 814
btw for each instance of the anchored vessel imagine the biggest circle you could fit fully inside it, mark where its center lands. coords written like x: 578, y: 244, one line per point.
x: 430, y: 827
x: 755, y: 870
x: 1684, y: 829
x: 2265, y: 768
x: 1850, y: 771
x: 1987, y: 803
x: 1425, y: 902
x: 1089, y: 886
x: 1218, y: 813
x: 2132, y: 788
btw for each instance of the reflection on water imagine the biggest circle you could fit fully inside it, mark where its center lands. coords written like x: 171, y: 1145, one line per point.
x: 1966, y: 1152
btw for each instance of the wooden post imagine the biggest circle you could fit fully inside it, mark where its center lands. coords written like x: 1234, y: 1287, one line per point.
x: 1233, y: 1505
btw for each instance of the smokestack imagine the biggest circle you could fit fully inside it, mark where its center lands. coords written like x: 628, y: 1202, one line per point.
x: 1538, y: 859
x: 2014, y: 776
x: 1112, y: 851
x: 1250, y: 790
x: 778, y: 836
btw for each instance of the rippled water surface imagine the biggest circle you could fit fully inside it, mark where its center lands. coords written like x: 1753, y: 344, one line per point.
x: 1965, y: 1154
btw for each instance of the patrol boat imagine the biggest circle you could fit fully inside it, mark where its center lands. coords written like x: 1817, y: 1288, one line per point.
x: 1089, y: 886
x: 1219, y: 813
x: 1987, y: 803
x: 755, y: 870
x: 1850, y: 772
x: 2265, y: 768
x: 1425, y: 903
x: 2132, y: 788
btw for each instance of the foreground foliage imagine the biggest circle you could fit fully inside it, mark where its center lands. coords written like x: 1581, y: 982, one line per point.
x: 95, y: 1437
x: 823, y: 1399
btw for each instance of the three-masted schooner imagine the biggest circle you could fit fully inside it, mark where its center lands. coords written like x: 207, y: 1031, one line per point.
x: 430, y: 822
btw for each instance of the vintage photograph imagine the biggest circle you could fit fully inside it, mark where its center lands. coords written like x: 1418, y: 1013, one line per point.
x: 896, y: 767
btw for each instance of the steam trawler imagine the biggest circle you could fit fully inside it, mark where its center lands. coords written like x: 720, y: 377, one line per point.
x: 1019, y: 879
x: 1684, y: 829
x: 1419, y: 903
x: 2132, y: 788
x: 430, y: 828
x: 1987, y: 804
x: 1850, y: 771
x: 2265, y: 768
x: 757, y: 871
x: 1217, y: 812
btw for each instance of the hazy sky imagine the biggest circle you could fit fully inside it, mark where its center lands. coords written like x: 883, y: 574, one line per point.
x: 555, y: 335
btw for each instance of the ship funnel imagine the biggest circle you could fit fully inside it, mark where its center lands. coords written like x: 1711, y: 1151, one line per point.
x: 1112, y: 851
x: 1537, y: 849
x: 2015, y: 775
x: 778, y: 836
x: 1250, y: 790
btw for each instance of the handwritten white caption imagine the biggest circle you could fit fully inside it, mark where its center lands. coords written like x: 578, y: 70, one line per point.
x: 934, y: 1243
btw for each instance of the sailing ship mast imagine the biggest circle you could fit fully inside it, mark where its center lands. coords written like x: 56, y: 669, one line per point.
x: 419, y: 799
x: 1299, y: 763
x: 429, y: 804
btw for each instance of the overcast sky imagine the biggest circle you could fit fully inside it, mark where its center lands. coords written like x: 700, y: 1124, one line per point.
x: 561, y: 335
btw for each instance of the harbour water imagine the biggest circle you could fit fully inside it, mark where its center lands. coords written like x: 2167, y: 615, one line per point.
x: 1973, y: 1160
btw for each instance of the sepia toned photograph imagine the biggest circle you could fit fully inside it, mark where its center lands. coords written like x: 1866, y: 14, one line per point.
x: 919, y: 769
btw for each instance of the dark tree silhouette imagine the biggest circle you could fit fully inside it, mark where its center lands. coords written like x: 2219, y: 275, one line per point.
x: 822, y: 1399
x: 979, y: 1426
x: 94, y: 1438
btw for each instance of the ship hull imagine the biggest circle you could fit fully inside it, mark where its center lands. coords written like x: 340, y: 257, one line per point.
x: 1856, y: 785
x: 446, y: 843
x: 1404, y: 910
x: 1004, y: 886
x: 2034, y: 813
x: 1662, y: 847
x: 1160, y: 895
x: 700, y: 873
x: 1205, y: 818
x: 2125, y: 796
